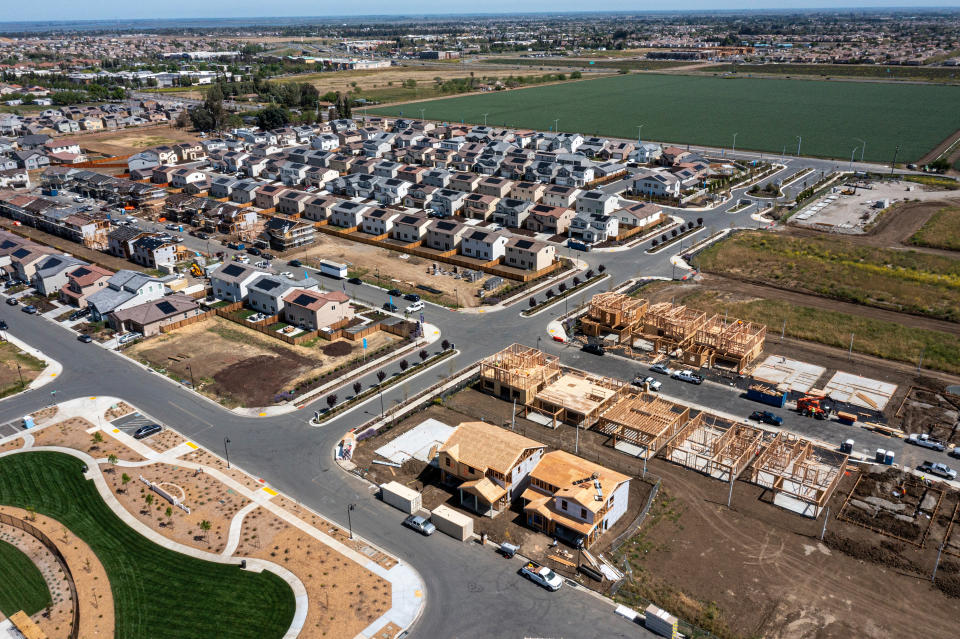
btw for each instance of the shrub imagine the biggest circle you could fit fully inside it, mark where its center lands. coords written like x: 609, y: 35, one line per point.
x: 423, y: 355
x: 533, y: 302
x: 562, y: 287
x: 357, y: 387
x: 404, y: 364
x: 331, y: 400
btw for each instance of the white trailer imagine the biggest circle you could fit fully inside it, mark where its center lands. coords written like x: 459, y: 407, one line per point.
x: 333, y: 269
x: 399, y: 496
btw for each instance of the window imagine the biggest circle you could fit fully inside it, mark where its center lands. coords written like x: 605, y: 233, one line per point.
x: 447, y: 459
x: 563, y: 504
x: 583, y: 513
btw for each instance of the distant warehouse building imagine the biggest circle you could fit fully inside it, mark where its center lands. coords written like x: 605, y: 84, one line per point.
x: 439, y: 55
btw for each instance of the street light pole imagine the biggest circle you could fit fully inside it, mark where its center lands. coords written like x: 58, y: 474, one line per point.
x: 350, y: 509
x: 862, y: 148
x: 226, y: 450
x: 639, y: 131
x: 20, y: 373
x: 192, y: 383
x: 799, y: 141
x: 733, y: 152
x: 852, y: 153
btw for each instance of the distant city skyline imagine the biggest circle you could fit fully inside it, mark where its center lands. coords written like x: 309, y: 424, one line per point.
x: 61, y: 10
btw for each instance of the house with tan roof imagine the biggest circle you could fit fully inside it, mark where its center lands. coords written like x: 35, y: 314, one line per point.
x: 488, y: 464
x: 81, y: 282
x: 574, y: 499
x: 312, y: 310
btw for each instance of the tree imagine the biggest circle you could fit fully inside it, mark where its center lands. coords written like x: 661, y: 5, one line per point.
x: 273, y: 117
x: 550, y: 293
x: 149, y: 499
x: 331, y: 400
x: 533, y: 301
x: 423, y: 354
x: 168, y: 512
x: 673, y: 233
x: 699, y: 221
x: 183, y: 120
x: 445, y: 344
x: 357, y: 387
x: 125, y: 479
x: 404, y: 364
x: 205, y: 527
x: 663, y: 238
x: 112, y: 458
x: 576, y: 75
x: 602, y: 268
x: 98, y: 437
x: 562, y: 287
x: 576, y: 280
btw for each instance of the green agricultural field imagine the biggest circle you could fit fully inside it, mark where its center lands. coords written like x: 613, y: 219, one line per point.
x: 906, y: 281
x: 889, y: 340
x: 768, y: 114
x: 633, y: 65
x: 941, y: 231
x: 157, y: 593
x: 22, y: 587
x: 866, y: 71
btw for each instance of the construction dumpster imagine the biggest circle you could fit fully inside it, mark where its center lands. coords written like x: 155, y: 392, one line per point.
x: 450, y: 522
x: 399, y: 496
x: 767, y: 395
x: 660, y: 621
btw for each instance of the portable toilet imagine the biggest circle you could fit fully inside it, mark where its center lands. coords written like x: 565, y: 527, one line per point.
x: 888, y: 458
x: 847, y: 446
x: 28, y: 422
x: 881, y: 454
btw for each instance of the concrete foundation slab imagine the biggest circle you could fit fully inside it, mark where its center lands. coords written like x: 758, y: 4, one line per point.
x: 417, y: 443
x: 860, y: 391
x: 798, y: 376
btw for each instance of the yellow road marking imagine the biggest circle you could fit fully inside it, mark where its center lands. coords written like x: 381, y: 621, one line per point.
x: 417, y: 593
x: 270, y: 491
x: 263, y: 414
x: 192, y: 445
x: 116, y: 430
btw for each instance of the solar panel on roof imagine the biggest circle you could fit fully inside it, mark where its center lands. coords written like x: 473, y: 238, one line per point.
x: 166, y: 307
x: 80, y: 272
x: 232, y: 270
x: 303, y: 300
x: 267, y: 285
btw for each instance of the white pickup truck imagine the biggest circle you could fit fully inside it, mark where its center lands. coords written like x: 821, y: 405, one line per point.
x: 541, y: 575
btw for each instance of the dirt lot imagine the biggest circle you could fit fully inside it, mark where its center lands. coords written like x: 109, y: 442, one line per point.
x: 128, y: 141
x: 239, y: 366
x: 343, y: 81
x: 930, y: 409
x: 405, y: 274
x: 757, y: 570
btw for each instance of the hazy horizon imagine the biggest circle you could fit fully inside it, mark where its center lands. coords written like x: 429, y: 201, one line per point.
x: 96, y: 10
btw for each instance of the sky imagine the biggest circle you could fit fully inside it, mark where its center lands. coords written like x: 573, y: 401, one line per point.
x: 124, y: 9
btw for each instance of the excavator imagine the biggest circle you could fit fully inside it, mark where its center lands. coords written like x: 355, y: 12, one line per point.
x: 813, y: 406
x: 195, y: 270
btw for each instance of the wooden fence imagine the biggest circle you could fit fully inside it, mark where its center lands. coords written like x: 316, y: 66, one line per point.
x: 202, y: 317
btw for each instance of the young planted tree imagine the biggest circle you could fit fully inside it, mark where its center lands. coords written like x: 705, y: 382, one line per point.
x: 445, y: 344
x: 404, y: 364
x: 112, y: 458
x: 205, y: 527
x: 423, y: 355
x: 124, y: 479
x: 357, y: 387
x: 331, y: 400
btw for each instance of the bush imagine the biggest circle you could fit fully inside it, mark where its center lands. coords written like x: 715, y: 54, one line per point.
x: 533, y: 302
x: 404, y: 364
x: 445, y: 344
x: 550, y: 293
x: 562, y: 287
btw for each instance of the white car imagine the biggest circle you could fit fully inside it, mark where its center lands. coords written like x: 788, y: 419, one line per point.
x: 652, y: 383
x: 414, y: 308
x: 287, y: 274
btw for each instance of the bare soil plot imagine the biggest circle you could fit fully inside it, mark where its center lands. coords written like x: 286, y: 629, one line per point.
x: 13, y: 444
x: 239, y: 366
x: 72, y: 434
x: 344, y: 596
x: 366, y: 79
x: 164, y: 440
x: 395, y: 271
x: 930, y: 409
x: 134, y: 140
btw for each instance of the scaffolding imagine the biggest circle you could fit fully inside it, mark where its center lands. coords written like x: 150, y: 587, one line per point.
x: 801, y: 474
x: 576, y: 397
x: 518, y: 372
x: 614, y: 313
x: 715, y: 446
x: 643, y: 420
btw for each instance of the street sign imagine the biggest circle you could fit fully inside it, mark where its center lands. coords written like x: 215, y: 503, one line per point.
x: 364, y: 342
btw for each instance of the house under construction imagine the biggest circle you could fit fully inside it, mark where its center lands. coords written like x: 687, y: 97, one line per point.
x: 518, y: 373
x: 801, y: 474
x: 576, y: 397
x: 698, y: 338
x: 642, y: 423
x: 715, y: 446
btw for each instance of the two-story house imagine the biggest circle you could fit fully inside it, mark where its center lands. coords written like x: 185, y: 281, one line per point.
x: 81, y: 282
x: 409, y: 228
x: 230, y: 281
x: 313, y: 310
x: 445, y: 235
x: 124, y: 289
x: 543, y: 218
x: 521, y: 252
x: 512, y: 213
x: 483, y: 245
x: 378, y: 221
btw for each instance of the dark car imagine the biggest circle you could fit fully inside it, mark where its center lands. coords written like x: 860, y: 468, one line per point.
x: 395, y: 292
x: 3, y: 325
x: 12, y: 301
x: 267, y: 256
x: 202, y: 236
x: 412, y: 297
x: 29, y: 309
x: 83, y: 312
x: 387, y: 306
x: 253, y: 250
x: 766, y: 417
x: 593, y: 349
x: 355, y: 280
x: 86, y: 339
x: 295, y: 263
x: 146, y: 431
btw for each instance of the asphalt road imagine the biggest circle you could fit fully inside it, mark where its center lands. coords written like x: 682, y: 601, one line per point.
x: 470, y: 592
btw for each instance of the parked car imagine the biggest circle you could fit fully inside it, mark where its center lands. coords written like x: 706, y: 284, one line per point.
x: 688, y: 376
x: 954, y: 452
x: 938, y: 469
x: 294, y: 263
x: 415, y: 307
x: 395, y: 292
x: 652, y: 383
x: 29, y: 309
x: 202, y: 236
x: 287, y: 274
x: 541, y: 575
x: 412, y: 297
x: 661, y: 368
x: 355, y: 280
x: 3, y: 325
x: 266, y: 256
x: 420, y: 524
x: 83, y: 312
x: 86, y: 339
x: 387, y: 306
x: 172, y: 227
x: 766, y: 417
x: 925, y: 441
x: 594, y: 348
x: 253, y: 250
x: 12, y: 301
x: 146, y: 431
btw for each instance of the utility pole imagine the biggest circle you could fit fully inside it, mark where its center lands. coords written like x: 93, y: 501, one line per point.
x: 799, y: 141
x: 850, y: 350
x: 730, y: 494
x: 226, y: 451
x: 894, y: 163
x: 825, y: 518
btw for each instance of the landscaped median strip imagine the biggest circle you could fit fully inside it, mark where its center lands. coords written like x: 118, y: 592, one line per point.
x: 416, y: 368
x: 550, y: 301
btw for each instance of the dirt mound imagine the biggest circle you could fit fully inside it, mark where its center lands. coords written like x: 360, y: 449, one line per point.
x: 888, y: 553
x: 337, y: 349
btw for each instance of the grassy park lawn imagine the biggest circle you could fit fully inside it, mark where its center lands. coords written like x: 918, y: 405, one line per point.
x: 158, y: 593
x: 768, y: 113
x: 906, y: 281
x: 941, y: 231
x: 22, y: 587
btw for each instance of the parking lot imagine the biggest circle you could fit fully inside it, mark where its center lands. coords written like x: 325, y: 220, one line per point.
x: 11, y: 428
x: 130, y: 423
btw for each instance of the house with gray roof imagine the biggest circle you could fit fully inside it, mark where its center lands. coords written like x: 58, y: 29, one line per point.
x: 124, y: 289
x: 231, y: 280
x: 265, y: 293
x: 51, y: 273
